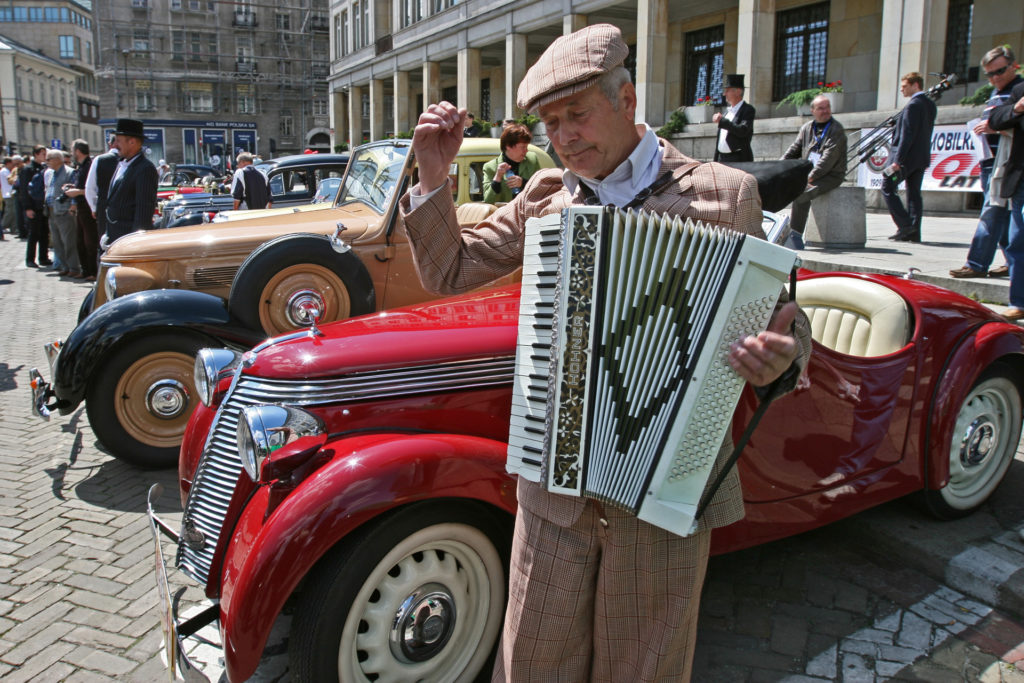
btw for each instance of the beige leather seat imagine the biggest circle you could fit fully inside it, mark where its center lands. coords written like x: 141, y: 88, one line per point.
x: 854, y: 316
x: 471, y: 213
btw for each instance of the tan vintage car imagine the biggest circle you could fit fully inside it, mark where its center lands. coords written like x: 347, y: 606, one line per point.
x: 163, y: 295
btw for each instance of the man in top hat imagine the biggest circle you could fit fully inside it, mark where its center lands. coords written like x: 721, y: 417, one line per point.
x: 131, y: 198
x: 594, y: 593
x: 736, y: 125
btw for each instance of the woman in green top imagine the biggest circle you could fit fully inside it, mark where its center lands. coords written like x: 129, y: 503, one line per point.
x: 510, y: 171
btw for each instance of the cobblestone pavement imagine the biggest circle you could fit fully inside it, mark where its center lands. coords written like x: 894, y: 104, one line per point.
x: 78, y: 603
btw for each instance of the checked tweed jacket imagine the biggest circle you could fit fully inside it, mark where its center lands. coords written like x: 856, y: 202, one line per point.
x: 450, y: 261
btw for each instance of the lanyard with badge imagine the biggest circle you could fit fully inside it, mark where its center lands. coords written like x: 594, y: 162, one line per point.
x: 812, y: 156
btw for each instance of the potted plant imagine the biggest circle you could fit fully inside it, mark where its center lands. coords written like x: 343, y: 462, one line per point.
x: 496, y: 129
x: 533, y: 122
x: 801, y: 99
x: 834, y: 92
x: 675, y: 124
x: 485, y: 128
x: 702, y: 111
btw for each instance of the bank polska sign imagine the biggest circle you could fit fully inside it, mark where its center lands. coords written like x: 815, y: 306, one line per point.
x: 956, y: 155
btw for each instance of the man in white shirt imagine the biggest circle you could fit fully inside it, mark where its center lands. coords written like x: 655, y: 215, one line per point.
x: 736, y: 126
x: 7, y: 191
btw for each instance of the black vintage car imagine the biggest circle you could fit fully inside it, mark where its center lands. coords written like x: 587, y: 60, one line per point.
x: 293, y: 180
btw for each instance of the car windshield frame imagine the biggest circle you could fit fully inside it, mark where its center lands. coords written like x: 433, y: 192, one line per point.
x: 373, y: 175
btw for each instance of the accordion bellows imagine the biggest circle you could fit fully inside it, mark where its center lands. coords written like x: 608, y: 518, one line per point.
x: 623, y: 391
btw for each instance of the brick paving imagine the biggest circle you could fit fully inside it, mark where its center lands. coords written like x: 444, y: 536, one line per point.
x: 77, y: 598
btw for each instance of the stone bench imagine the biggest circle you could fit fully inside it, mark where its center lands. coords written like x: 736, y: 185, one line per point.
x: 837, y: 219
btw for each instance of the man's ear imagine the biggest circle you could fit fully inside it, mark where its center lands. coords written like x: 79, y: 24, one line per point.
x: 627, y: 100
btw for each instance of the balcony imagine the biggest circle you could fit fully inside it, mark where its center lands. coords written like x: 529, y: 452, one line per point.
x: 245, y: 66
x: 318, y: 22
x: 245, y: 19
x: 140, y: 4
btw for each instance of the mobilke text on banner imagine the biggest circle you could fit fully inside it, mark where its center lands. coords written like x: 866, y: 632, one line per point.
x: 956, y: 155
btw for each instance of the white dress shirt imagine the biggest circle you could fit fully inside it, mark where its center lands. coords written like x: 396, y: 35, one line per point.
x: 730, y: 114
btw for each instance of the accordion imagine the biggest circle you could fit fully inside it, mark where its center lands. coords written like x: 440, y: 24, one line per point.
x: 623, y: 390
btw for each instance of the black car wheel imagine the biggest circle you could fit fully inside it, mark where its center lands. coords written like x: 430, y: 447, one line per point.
x: 984, y: 443
x: 419, y: 596
x: 277, y: 285
x: 140, y: 400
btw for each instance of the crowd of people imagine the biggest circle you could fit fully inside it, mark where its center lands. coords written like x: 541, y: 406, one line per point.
x: 76, y: 205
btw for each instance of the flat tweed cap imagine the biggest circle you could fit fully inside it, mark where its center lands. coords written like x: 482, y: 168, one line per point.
x: 572, y: 64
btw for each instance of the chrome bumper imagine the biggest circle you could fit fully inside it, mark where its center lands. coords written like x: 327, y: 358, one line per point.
x: 42, y: 390
x: 175, y: 632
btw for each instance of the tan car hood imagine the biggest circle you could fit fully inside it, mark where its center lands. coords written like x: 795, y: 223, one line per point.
x: 232, y: 216
x: 242, y: 236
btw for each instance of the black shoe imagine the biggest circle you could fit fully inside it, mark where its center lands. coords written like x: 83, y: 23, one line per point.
x: 46, y: 263
x: 30, y: 264
x: 906, y: 237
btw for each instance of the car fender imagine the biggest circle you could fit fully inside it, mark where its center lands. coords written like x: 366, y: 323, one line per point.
x: 271, y: 551
x: 132, y: 316
x: 978, y: 348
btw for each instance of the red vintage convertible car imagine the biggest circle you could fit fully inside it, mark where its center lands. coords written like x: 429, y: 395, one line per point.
x: 360, y: 468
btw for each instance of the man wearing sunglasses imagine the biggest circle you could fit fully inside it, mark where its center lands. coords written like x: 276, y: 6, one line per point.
x: 1000, y: 67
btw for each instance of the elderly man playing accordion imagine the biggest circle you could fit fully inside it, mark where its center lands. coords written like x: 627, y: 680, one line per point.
x: 595, y: 593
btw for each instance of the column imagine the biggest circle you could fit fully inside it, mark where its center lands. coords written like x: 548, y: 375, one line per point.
x: 516, y: 54
x: 468, y: 80
x: 755, y: 50
x: 431, y: 83
x: 355, y: 116
x: 651, y: 48
x: 909, y: 43
x: 339, y: 119
x: 572, y: 23
x: 403, y: 115
x: 377, y: 131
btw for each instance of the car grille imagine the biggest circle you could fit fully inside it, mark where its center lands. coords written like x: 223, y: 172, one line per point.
x: 220, y: 466
x: 206, y: 278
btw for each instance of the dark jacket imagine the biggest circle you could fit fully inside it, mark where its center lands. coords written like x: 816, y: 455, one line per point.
x: 830, y: 170
x: 25, y: 200
x: 740, y: 130
x: 1004, y: 118
x: 912, y: 140
x: 79, y: 178
x: 106, y: 164
x: 131, y: 199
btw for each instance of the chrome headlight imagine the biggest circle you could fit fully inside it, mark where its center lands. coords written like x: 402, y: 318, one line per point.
x: 110, y: 285
x: 281, y: 431
x: 211, y: 365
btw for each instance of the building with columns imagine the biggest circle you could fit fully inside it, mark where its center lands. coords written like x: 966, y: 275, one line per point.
x: 389, y: 57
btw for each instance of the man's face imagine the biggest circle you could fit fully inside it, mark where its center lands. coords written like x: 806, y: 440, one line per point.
x: 517, y: 152
x: 821, y: 110
x: 40, y: 157
x: 908, y: 88
x: 589, y: 135
x: 1002, y: 72
x: 55, y: 162
x: 127, y: 145
x: 733, y: 96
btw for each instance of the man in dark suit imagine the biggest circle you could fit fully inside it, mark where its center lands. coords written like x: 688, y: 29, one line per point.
x: 736, y: 125
x: 33, y: 202
x: 1010, y: 116
x: 912, y: 152
x: 97, y: 185
x: 131, y: 199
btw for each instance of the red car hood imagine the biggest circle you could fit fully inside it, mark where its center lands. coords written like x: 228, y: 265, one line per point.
x: 418, y: 335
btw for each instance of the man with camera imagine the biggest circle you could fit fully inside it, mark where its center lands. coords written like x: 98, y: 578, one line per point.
x: 63, y: 231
